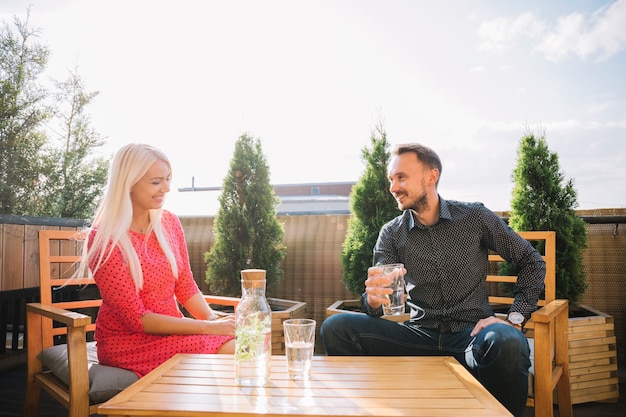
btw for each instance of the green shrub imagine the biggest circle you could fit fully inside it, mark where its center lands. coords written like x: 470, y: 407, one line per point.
x: 371, y: 206
x: 247, y: 231
x: 543, y: 200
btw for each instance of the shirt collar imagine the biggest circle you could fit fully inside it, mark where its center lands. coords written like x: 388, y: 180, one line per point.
x: 444, y: 209
x: 444, y: 213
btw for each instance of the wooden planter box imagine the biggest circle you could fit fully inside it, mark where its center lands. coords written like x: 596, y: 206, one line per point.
x: 592, y: 352
x: 592, y: 356
x: 344, y: 306
x: 281, y: 311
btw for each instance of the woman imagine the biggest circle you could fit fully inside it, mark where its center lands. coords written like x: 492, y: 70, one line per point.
x: 137, y: 254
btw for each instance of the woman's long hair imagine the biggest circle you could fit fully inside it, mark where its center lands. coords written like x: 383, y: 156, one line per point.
x: 115, y: 214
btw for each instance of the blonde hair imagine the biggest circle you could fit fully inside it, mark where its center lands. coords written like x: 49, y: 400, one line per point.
x: 114, y: 215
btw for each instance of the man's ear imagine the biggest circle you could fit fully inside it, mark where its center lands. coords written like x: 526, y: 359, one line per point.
x: 433, y: 176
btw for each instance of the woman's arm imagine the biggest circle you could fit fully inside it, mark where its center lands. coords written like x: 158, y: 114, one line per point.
x: 205, y: 320
x: 198, y: 308
x: 154, y: 323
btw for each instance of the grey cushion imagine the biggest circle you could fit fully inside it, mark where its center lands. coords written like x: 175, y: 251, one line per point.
x: 104, y: 381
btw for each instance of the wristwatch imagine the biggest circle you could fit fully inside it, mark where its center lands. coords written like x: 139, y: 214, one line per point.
x: 516, y: 319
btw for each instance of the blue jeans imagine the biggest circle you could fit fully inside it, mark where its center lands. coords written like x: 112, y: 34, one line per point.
x: 498, y: 356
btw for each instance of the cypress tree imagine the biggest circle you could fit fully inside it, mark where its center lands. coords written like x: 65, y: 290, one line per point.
x: 371, y: 206
x: 247, y: 231
x: 543, y: 200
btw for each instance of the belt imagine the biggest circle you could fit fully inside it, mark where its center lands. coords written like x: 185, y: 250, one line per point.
x: 443, y: 327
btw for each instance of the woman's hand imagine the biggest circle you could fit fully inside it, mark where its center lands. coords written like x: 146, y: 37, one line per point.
x: 224, y: 325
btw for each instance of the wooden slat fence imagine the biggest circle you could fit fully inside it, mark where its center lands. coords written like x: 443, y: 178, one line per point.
x: 19, y: 278
x: 312, y: 263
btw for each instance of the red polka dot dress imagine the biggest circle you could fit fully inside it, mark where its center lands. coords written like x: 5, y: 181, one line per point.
x: 120, y: 338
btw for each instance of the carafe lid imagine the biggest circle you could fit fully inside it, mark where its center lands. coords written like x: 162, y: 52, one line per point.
x: 253, y: 275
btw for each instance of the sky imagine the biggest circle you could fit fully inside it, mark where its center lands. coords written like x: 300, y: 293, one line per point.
x: 313, y: 79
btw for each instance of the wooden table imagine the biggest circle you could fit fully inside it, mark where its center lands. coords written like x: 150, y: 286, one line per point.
x: 204, y: 385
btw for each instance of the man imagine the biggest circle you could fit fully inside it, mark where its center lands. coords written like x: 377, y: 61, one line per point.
x: 444, y: 247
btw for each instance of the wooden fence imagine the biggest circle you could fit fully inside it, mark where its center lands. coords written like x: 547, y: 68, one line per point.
x: 312, y: 263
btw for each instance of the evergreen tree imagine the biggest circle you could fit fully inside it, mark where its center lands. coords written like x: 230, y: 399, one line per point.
x: 542, y: 200
x: 371, y: 206
x: 40, y: 176
x: 22, y: 112
x: 75, y: 179
x: 247, y: 232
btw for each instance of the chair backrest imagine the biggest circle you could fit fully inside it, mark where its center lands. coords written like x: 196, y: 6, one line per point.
x: 545, y: 242
x: 59, y: 253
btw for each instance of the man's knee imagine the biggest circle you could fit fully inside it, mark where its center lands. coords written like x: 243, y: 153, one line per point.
x: 505, y: 343
x: 335, y: 332
x: 331, y: 324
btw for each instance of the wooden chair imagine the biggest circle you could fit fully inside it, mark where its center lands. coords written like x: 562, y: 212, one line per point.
x: 548, y: 328
x: 60, y: 319
x: 56, y: 262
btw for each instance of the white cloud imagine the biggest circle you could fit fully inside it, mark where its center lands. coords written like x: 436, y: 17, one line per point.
x: 500, y: 34
x: 601, y: 34
x: 604, y: 104
x: 549, y: 126
x: 505, y: 126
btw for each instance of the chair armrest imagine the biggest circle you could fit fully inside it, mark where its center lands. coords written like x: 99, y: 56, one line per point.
x: 69, y: 318
x: 550, y: 311
x: 40, y: 337
x: 222, y: 300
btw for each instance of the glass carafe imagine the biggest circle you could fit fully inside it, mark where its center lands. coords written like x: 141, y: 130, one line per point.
x: 253, y: 334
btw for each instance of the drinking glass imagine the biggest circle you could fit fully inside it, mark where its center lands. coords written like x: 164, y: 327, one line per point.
x: 396, y: 299
x: 299, y: 344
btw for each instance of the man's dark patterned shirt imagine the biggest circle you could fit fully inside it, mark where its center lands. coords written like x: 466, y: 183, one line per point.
x: 447, y: 264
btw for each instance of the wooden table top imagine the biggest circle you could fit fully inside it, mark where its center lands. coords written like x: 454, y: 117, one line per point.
x: 194, y: 385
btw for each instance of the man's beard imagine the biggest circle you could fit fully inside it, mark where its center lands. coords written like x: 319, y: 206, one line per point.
x: 421, y: 204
